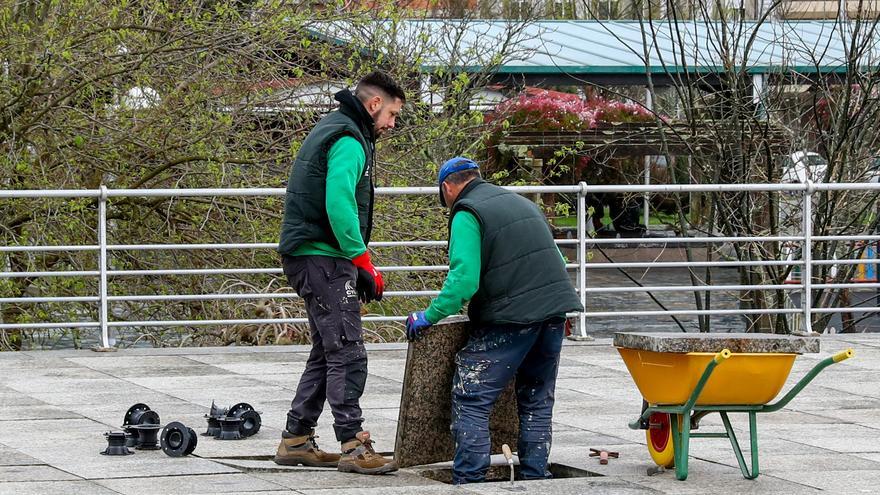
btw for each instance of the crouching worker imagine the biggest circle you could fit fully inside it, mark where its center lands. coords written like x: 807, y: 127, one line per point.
x: 503, y: 260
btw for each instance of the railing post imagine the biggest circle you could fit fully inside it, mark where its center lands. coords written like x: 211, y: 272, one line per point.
x: 102, y: 265
x: 646, y: 200
x: 582, y: 258
x: 807, y: 250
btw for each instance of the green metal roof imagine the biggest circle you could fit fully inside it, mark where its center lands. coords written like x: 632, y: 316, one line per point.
x: 610, y: 48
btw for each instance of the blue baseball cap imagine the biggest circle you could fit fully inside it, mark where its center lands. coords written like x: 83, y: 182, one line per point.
x: 452, y: 166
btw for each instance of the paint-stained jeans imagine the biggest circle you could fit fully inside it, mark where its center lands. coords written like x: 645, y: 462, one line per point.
x: 492, y: 356
x: 337, y: 367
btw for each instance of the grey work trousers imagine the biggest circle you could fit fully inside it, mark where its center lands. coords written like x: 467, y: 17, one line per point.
x: 336, y: 370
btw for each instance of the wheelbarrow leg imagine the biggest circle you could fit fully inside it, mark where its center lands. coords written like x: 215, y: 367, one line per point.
x: 753, y: 434
x: 680, y: 440
x: 681, y: 422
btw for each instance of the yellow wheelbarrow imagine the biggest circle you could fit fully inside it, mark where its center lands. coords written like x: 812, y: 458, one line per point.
x: 684, y: 377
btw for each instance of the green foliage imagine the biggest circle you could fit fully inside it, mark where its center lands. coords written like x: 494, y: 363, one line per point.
x: 151, y: 94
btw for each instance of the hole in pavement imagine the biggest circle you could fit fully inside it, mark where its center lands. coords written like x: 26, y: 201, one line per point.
x: 501, y: 472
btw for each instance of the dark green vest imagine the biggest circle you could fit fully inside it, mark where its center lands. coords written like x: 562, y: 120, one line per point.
x: 522, y: 277
x: 305, y: 215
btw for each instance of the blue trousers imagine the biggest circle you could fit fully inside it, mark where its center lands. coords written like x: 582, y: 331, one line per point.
x: 492, y: 357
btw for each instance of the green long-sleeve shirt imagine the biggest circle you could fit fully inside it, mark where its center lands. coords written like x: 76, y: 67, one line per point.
x: 345, y: 166
x: 463, y: 280
x: 465, y: 246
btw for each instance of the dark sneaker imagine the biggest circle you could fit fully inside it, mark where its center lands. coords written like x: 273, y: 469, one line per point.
x: 359, y: 457
x: 302, y: 449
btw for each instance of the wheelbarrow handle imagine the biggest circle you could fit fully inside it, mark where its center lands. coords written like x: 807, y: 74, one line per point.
x: 840, y: 356
x: 721, y: 356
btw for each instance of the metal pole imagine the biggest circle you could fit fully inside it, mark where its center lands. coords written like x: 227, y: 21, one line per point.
x: 582, y: 258
x: 807, y: 249
x: 649, y: 102
x: 102, y: 264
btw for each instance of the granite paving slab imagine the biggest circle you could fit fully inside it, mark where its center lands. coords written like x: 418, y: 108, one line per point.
x: 143, y: 463
x: 390, y: 490
x: 206, y: 382
x: 261, y: 370
x: 780, y: 463
x: 12, y: 397
x: 386, y: 369
x: 34, y: 473
x: 262, y: 444
x: 40, y: 362
x: 117, y: 362
x: 28, y: 432
x: 825, y: 439
x: 568, y: 486
x: 731, y: 482
x: 169, y: 410
x: 862, y: 387
x: 76, y: 451
x: 125, y: 397
x: 716, y: 342
x: 261, y: 492
x: 328, y: 478
x: 835, y: 481
x: 871, y: 456
x: 40, y: 411
x: 170, y: 371
x: 423, y: 435
x: 842, y: 438
x: 77, y: 372
x: 254, y: 395
x: 828, y: 401
x: 784, y: 416
x: 772, y: 451
x: 286, y: 381
x: 53, y: 487
x: 251, y: 358
x: 12, y: 457
x: 43, y: 385
x: 213, y: 484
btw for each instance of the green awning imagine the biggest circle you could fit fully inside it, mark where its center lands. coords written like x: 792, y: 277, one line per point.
x: 627, y: 50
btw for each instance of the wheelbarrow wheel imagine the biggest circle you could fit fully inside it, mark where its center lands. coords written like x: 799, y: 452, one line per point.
x: 659, y: 439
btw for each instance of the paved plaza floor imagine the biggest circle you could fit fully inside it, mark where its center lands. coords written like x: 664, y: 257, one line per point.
x: 56, y: 405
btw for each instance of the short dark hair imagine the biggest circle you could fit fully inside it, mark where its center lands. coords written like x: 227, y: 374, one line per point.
x: 463, y: 176
x: 382, y: 81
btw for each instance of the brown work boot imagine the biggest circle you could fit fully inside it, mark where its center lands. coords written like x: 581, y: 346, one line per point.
x: 302, y: 449
x: 359, y: 457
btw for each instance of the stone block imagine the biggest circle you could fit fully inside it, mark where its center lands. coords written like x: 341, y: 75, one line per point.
x: 423, y: 435
x: 715, y: 342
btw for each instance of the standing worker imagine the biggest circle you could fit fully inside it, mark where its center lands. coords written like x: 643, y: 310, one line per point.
x: 502, y: 258
x: 328, y: 213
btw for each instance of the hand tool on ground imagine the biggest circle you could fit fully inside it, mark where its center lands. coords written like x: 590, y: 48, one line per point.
x: 603, y: 455
x: 509, y: 456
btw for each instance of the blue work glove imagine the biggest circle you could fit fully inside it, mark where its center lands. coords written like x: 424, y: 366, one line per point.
x: 415, y: 325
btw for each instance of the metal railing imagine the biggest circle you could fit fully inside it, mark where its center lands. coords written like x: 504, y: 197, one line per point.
x: 805, y: 239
